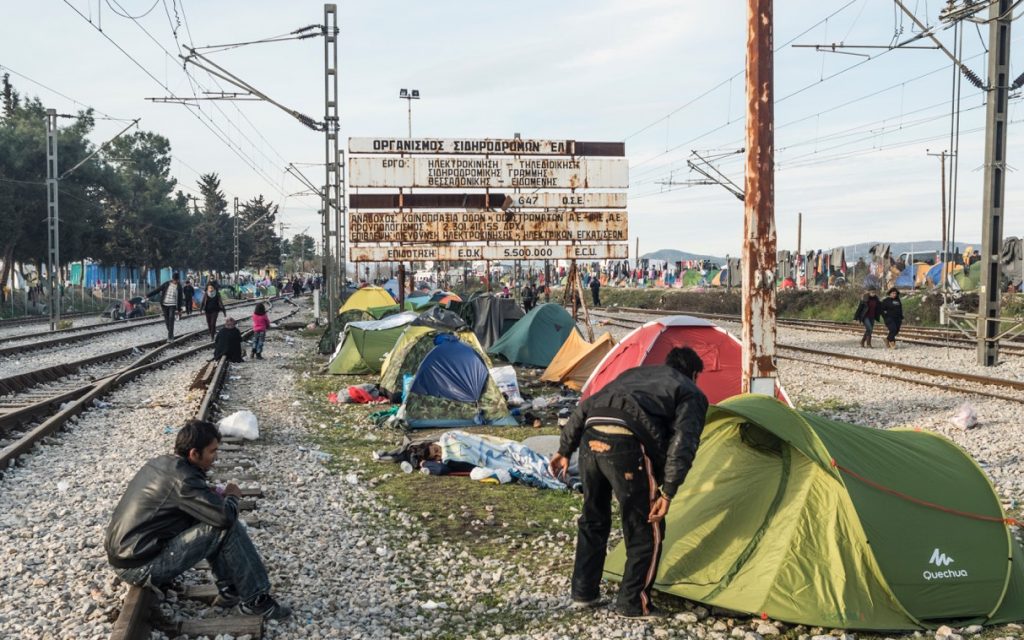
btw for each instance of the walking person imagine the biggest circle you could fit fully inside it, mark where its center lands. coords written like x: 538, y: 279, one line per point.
x: 189, y: 292
x: 595, y: 289
x: 637, y: 438
x: 867, y: 312
x: 172, y: 301
x: 211, y: 305
x: 892, y: 314
x: 529, y: 297
x: 260, y: 324
x: 169, y: 519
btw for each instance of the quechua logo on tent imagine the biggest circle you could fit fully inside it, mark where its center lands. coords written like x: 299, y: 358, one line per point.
x: 941, y: 560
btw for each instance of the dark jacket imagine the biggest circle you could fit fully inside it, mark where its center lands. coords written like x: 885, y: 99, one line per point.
x: 661, y: 406
x: 228, y: 343
x: 188, y: 291
x: 162, y: 290
x: 869, y: 308
x: 167, y: 496
x: 892, y: 310
x: 212, y: 304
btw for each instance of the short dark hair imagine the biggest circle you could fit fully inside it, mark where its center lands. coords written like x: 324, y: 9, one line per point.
x: 260, y: 310
x: 196, y: 434
x: 685, y: 360
x: 175, y: 276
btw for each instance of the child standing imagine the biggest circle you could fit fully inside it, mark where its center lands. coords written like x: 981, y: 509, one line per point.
x: 260, y: 324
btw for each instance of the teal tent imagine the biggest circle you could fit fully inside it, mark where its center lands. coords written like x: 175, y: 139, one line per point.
x: 537, y: 337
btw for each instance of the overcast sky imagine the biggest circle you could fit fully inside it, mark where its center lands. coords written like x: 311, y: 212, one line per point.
x: 666, y: 76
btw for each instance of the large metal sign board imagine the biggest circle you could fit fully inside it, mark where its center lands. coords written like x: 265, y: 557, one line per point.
x: 507, y: 252
x: 485, y: 146
x: 492, y: 200
x: 493, y: 173
x: 489, y: 226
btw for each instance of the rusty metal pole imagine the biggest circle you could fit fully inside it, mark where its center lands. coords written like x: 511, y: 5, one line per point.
x: 759, y: 259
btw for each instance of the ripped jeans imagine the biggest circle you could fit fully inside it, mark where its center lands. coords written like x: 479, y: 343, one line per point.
x: 231, y: 553
x: 612, y: 464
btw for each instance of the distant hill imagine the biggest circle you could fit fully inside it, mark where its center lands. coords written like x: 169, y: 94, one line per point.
x: 674, y: 255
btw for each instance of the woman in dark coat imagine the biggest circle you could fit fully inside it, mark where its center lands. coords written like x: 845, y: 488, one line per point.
x: 867, y: 312
x: 892, y: 313
x: 211, y: 305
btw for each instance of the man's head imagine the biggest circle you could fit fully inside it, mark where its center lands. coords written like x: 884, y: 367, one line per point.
x: 198, y: 442
x: 229, y: 323
x: 686, y: 361
x: 176, y: 276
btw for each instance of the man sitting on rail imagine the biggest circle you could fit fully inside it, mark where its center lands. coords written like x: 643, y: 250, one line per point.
x: 169, y: 519
x: 228, y: 342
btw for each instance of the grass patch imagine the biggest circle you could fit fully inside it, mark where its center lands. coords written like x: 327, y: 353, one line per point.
x: 514, y: 522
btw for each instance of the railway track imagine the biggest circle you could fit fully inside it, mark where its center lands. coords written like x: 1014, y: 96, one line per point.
x: 81, y: 334
x: 18, y: 322
x: 998, y: 388
x: 922, y: 336
x: 20, y: 419
x: 136, y: 619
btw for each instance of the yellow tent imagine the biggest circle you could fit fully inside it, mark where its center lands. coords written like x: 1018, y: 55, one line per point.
x: 368, y: 298
x: 576, y: 359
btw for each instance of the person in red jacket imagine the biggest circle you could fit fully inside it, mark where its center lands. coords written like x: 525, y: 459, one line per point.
x: 260, y: 324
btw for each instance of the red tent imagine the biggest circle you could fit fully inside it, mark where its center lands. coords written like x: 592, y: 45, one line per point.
x: 649, y: 344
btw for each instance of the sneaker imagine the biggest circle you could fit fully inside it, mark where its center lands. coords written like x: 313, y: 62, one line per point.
x: 653, y: 613
x: 264, y: 605
x: 227, y: 596
x: 581, y: 605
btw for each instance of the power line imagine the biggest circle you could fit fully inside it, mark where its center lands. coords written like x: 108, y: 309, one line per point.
x: 125, y: 15
x: 106, y: 116
x: 170, y: 56
x: 740, y: 72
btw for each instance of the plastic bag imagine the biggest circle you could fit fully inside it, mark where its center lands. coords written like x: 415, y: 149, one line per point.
x: 242, y: 424
x: 406, y: 385
x: 505, y: 378
x: 966, y: 417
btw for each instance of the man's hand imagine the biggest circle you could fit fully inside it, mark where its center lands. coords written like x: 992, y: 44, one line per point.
x: 232, y: 490
x: 559, y: 466
x: 659, y: 509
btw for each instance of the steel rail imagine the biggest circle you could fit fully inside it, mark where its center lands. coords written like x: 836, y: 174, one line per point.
x: 940, y: 373
x: 86, y: 334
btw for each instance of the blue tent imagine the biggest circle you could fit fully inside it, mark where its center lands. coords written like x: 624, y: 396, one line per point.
x: 453, y: 388
x: 906, y: 279
x: 935, y: 273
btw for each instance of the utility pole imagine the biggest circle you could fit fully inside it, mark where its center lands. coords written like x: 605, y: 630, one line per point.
x: 236, y: 240
x: 759, y: 259
x: 945, y: 235
x: 52, y: 217
x: 995, y: 181
x: 332, y: 178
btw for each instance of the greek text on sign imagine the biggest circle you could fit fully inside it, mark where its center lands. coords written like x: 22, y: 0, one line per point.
x: 507, y: 252
x: 484, y: 146
x: 548, y: 200
x: 489, y: 226
x: 523, y: 173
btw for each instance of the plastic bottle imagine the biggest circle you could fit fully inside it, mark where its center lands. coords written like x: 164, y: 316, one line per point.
x: 406, y: 466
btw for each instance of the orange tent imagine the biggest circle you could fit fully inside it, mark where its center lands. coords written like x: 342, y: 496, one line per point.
x: 576, y: 359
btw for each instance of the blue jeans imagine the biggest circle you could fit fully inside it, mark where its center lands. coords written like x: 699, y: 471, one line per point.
x: 232, y: 556
x: 869, y: 326
x: 258, y: 338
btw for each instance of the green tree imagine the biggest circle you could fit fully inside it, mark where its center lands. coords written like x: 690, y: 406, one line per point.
x: 212, y: 243
x: 258, y: 246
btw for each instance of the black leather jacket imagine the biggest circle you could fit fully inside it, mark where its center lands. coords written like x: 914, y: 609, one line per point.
x: 661, y: 406
x: 166, y: 496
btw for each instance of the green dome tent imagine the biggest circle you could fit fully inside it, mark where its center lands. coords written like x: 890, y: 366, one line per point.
x: 823, y: 523
x: 537, y: 337
x: 453, y: 388
x: 411, y: 347
x: 364, y: 344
